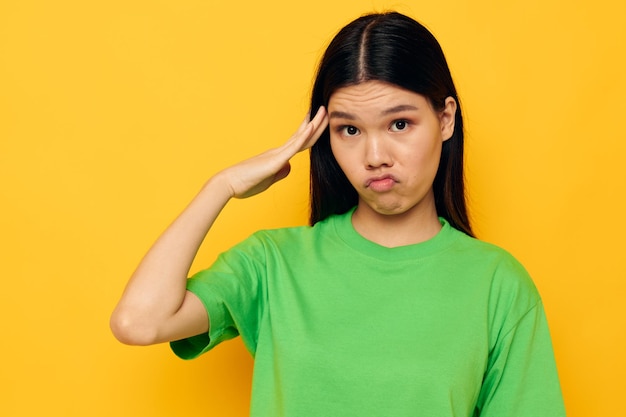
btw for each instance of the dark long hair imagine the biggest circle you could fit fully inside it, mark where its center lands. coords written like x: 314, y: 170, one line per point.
x: 392, y: 48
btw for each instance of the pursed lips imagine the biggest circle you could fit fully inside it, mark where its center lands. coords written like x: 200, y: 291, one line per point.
x: 381, y: 182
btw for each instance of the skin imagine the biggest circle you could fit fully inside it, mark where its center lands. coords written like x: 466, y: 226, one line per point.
x: 155, y: 307
x: 392, y: 170
x: 388, y: 140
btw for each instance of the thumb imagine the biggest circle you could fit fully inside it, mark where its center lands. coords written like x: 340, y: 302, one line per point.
x: 283, y: 172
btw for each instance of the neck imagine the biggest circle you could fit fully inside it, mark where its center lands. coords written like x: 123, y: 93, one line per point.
x: 392, y: 230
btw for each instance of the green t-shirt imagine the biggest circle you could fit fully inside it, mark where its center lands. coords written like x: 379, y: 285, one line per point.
x: 341, y: 326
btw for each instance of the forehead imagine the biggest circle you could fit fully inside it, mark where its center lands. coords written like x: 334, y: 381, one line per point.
x: 374, y: 96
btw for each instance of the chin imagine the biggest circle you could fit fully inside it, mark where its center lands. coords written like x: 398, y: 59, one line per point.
x: 389, y: 209
x: 397, y: 207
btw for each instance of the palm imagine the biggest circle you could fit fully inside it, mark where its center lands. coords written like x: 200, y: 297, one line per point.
x: 257, y: 174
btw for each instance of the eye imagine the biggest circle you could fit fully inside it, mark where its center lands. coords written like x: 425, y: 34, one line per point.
x: 349, y: 131
x: 399, y: 125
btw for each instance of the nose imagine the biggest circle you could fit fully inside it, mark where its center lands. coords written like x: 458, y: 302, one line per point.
x: 377, y: 152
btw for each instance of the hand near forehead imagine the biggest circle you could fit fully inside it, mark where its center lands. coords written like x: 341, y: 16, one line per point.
x: 155, y: 306
x: 258, y: 173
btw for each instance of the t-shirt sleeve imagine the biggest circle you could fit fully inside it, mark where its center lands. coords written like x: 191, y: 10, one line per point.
x: 521, y: 378
x: 232, y: 292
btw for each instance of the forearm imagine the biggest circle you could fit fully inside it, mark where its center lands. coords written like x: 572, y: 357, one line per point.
x: 155, y: 305
x: 157, y: 289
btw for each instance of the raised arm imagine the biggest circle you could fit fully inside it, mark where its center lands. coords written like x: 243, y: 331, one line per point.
x: 155, y: 307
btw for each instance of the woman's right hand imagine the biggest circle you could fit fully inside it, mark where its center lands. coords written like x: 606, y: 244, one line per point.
x: 155, y: 306
x: 258, y: 173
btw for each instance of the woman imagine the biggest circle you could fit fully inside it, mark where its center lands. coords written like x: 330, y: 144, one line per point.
x: 386, y: 304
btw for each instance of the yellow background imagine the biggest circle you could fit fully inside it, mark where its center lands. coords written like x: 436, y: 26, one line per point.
x: 113, y: 114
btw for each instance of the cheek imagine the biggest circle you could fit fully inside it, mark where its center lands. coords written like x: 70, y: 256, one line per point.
x: 424, y: 162
x: 432, y: 160
x: 344, y: 158
x: 338, y: 152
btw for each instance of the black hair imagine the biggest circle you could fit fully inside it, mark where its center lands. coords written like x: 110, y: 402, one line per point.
x: 392, y: 48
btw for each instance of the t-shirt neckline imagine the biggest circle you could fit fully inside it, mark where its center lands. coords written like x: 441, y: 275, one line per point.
x: 346, y: 232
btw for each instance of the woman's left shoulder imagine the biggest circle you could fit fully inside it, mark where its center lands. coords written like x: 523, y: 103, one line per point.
x: 503, y: 268
x: 485, y: 251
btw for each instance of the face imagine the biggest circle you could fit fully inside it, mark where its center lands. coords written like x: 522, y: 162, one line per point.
x: 387, y: 140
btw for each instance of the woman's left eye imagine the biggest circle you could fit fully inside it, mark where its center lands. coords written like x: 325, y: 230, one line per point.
x: 399, y: 125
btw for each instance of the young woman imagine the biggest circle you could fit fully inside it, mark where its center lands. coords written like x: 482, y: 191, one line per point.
x: 385, y: 305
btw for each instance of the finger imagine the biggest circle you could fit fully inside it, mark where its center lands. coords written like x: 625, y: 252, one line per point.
x: 296, y: 137
x: 319, y: 115
x: 321, y: 123
x: 308, y: 129
x: 303, y: 125
x: 318, y: 125
x: 295, y: 141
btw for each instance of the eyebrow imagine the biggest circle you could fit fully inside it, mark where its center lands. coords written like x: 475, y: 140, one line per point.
x: 349, y: 116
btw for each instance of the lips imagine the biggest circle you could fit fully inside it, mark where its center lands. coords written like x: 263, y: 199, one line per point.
x: 381, y: 183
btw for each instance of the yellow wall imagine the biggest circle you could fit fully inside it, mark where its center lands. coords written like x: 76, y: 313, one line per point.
x: 112, y: 114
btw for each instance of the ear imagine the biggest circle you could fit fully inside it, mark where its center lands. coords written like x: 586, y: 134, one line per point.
x: 447, y: 118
